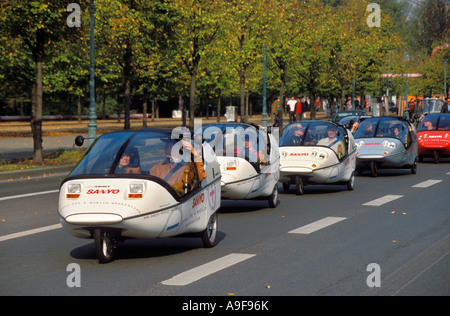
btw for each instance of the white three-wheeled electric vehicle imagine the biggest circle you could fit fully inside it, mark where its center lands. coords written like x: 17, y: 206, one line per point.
x: 386, y: 143
x: 249, y: 160
x: 316, y: 152
x: 141, y: 184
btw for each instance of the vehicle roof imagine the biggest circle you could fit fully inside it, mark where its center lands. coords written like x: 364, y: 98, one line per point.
x: 235, y: 124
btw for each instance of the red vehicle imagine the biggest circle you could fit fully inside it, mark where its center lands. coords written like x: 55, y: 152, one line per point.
x: 433, y: 135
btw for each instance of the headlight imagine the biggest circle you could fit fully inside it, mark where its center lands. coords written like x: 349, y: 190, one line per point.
x: 73, y: 190
x: 388, y: 144
x: 136, y: 191
x: 319, y: 155
x: 231, y: 165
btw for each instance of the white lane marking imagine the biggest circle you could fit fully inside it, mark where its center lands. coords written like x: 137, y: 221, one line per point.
x: 27, y: 195
x: 310, y: 228
x: 206, y: 269
x: 30, y: 232
x: 426, y: 184
x: 383, y: 200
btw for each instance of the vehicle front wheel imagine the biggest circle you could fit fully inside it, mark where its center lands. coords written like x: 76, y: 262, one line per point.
x: 351, y: 182
x: 436, y: 156
x: 373, y: 169
x: 105, y: 246
x: 273, y: 198
x: 299, y: 186
x: 210, y: 233
x: 414, y: 167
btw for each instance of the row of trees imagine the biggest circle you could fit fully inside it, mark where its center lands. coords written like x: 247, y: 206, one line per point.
x: 157, y: 50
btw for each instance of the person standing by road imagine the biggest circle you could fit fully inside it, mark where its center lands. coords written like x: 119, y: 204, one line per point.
x: 276, y: 112
x: 291, y: 108
x: 298, y: 110
x: 446, y: 107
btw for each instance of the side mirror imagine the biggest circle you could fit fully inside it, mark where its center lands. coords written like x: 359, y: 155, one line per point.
x: 79, y: 140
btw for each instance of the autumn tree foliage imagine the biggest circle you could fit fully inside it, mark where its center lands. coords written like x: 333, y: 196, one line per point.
x: 197, y: 50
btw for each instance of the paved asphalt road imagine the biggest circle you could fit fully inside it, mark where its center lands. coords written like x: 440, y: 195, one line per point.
x: 329, y: 241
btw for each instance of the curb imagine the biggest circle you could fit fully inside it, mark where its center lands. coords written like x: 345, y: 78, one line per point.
x: 35, y: 173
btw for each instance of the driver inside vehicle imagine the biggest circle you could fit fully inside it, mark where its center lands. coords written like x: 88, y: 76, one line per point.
x: 296, y: 132
x: 183, y: 176
x: 333, y: 142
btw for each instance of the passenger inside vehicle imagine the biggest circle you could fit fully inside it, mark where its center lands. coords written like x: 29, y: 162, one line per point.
x: 184, y: 176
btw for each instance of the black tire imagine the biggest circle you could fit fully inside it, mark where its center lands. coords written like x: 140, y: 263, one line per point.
x: 351, y: 182
x: 299, y: 186
x: 286, y: 186
x: 414, y: 167
x: 373, y: 169
x: 104, y: 246
x: 209, y: 235
x: 436, y: 157
x: 273, y: 198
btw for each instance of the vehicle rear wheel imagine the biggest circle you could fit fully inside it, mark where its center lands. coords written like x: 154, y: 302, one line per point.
x: 299, y: 186
x: 210, y: 233
x: 351, y: 182
x: 273, y: 198
x: 436, y: 156
x: 414, y: 167
x: 373, y: 169
x: 104, y: 246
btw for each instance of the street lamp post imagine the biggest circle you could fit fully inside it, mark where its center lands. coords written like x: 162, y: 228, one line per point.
x: 92, y: 125
x: 445, y: 80
x: 354, y: 79
x: 407, y: 57
x: 264, y: 113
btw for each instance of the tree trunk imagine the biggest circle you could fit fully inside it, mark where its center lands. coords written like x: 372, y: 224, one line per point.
x: 312, y: 98
x: 36, y: 116
x: 282, y: 100
x: 79, y: 108
x: 219, y: 105
x: 127, y: 77
x: 242, y: 105
x: 144, y: 112
x: 192, y: 95
x: 153, y: 110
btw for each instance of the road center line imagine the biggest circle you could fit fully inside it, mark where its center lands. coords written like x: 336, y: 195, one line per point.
x: 315, y: 226
x: 30, y: 232
x: 27, y: 195
x: 426, y: 184
x: 206, y: 269
x: 383, y: 200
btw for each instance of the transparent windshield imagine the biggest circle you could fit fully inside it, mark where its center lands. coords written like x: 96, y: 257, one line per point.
x: 315, y: 134
x: 101, y: 156
x: 382, y: 128
x: 238, y: 140
x: 435, y: 123
x: 144, y: 153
